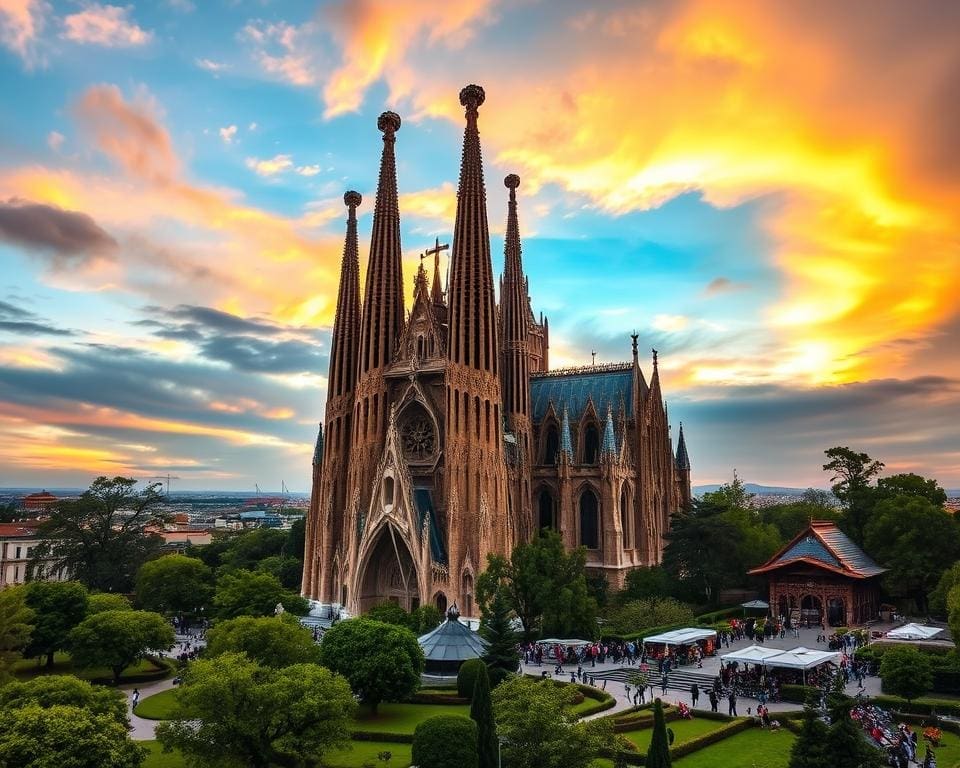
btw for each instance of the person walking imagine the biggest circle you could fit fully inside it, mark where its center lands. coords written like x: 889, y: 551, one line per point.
x: 135, y: 697
x: 732, y: 704
x: 694, y: 694
x: 663, y: 685
x: 714, y: 700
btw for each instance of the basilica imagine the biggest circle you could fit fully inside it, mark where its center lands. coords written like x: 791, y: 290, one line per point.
x: 448, y: 438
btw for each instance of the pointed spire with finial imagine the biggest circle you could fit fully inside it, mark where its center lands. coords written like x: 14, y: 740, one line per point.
x: 683, y: 458
x: 514, y: 314
x: 345, y: 343
x: 473, y: 320
x: 383, y: 296
x: 318, y: 448
x: 436, y: 292
x: 566, y: 444
x: 609, y: 447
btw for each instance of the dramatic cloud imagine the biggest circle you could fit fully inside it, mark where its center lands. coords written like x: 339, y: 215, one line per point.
x: 21, y: 21
x: 64, y: 235
x: 107, y: 25
x: 15, y: 320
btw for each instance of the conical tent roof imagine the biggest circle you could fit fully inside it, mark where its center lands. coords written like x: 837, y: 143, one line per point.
x: 452, y: 641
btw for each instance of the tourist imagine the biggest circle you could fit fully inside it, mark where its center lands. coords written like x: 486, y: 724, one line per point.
x: 136, y: 697
x: 714, y: 700
x: 694, y: 694
x: 732, y: 704
x: 663, y: 685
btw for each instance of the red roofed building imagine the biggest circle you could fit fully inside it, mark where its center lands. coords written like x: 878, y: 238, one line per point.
x: 17, y: 542
x: 41, y: 500
x: 821, y: 575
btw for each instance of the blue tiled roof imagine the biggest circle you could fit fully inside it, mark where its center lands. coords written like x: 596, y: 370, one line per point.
x: 609, y: 441
x: 566, y: 445
x: 606, y: 387
x: 852, y: 556
x: 424, y: 502
x: 810, y: 546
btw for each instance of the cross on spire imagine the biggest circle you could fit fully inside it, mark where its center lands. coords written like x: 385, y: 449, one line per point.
x: 436, y: 293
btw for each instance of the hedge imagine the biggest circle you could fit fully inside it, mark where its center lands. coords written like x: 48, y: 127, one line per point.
x: 164, y: 668
x: 797, y: 694
x: 398, y: 738
x: 943, y: 706
x: 447, y: 741
x: 430, y: 697
x: 604, y: 700
x: 733, y: 611
x: 688, y: 747
x: 467, y: 677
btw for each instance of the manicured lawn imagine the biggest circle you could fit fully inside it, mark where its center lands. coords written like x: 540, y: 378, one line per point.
x: 755, y: 748
x: 157, y: 758
x: 403, y: 718
x: 366, y: 752
x: 160, y: 706
x: 25, y: 669
x: 683, y: 730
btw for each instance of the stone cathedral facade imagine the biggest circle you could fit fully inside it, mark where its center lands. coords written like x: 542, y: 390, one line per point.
x: 447, y: 437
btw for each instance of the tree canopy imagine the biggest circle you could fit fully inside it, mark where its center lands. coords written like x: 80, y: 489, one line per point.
x: 65, y: 690
x: 58, y: 607
x: 234, y: 711
x: 245, y: 593
x: 272, y: 641
x: 851, y: 473
x: 382, y: 662
x: 117, y: 639
x: 16, y: 624
x: 906, y: 672
x: 174, y: 584
x: 538, y: 728
x: 105, y: 601
x: 103, y: 537
x: 545, y: 585
x: 496, y: 628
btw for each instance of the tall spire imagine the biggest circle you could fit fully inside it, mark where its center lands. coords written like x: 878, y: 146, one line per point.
x: 473, y: 326
x: 609, y: 447
x: 436, y: 292
x: 514, y: 311
x: 683, y: 458
x: 318, y: 448
x: 346, y: 326
x: 566, y: 445
x: 383, y: 295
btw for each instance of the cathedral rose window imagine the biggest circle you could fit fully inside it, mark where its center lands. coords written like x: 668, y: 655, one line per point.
x: 417, y: 436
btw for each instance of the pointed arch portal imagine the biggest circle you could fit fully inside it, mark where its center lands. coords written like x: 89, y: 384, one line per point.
x: 389, y: 573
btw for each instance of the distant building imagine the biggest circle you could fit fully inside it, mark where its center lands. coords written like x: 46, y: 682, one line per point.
x: 822, y: 576
x: 181, y: 540
x: 38, y: 501
x: 17, y: 543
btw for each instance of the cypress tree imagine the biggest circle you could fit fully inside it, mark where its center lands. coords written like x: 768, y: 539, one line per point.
x: 481, y: 712
x: 501, y: 655
x: 845, y: 745
x: 658, y: 756
x: 809, y: 750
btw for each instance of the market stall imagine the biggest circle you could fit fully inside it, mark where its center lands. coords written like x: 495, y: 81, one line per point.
x: 682, y: 645
x: 914, y: 632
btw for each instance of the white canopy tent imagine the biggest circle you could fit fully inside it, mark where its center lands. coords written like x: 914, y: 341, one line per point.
x: 802, y: 658
x: 754, y: 654
x: 564, y: 643
x: 681, y: 636
x: 914, y: 632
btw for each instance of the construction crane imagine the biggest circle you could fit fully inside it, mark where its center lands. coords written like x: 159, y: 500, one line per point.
x: 167, y: 478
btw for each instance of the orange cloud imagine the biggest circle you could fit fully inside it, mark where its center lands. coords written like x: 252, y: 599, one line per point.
x: 438, y: 204
x: 106, y: 25
x: 21, y: 21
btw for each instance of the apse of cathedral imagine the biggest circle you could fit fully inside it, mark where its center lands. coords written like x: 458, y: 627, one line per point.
x: 447, y: 438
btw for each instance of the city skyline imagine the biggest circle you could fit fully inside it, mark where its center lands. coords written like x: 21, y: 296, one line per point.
x: 782, y: 228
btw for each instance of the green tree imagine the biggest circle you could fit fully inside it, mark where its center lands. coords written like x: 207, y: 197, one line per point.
x: 99, y: 602
x: 37, y: 737
x: 287, y: 569
x: 481, y: 712
x: 382, y: 662
x: 117, y: 639
x: 103, y: 537
x: 232, y: 711
x: 16, y: 624
x: 246, y: 550
x: 905, y: 671
x: 701, y: 551
x: 909, y: 484
x: 245, y: 593
x: 808, y: 749
x: 445, y: 741
x: 851, y: 473
x: 389, y: 613
x: 272, y: 641
x: 8, y: 512
x: 937, y: 599
x: 65, y: 690
x: 539, y: 730
x: 174, y: 584
x: 297, y: 539
x: 501, y: 656
x: 58, y: 607
x: 845, y: 745
x: 545, y: 585
x: 658, y: 755
x: 467, y: 677
x: 792, y: 518
x: 642, y: 583
x: 425, y: 619
x: 916, y: 540
x: 953, y: 610
x: 638, y: 615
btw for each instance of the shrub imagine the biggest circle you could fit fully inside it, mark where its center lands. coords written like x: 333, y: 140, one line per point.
x: 446, y: 741
x: 467, y: 677
x: 906, y: 672
x: 797, y: 694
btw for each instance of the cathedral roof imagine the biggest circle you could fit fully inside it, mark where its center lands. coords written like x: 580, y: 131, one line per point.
x: 683, y: 458
x: 608, y: 385
x: 609, y: 441
x: 824, y: 545
x: 424, y: 502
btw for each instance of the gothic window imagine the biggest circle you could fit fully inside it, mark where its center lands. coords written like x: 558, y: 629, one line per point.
x: 467, y: 594
x: 388, y: 491
x: 551, y: 445
x: 440, y: 600
x: 591, y: 444
x: 546, y: 509
x: 420, y: 347
x: 417, y: 435
x: 625, y: 520
x: 589, y: 520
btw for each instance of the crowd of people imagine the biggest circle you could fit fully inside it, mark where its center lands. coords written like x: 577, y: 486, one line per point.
x: 900, y: 743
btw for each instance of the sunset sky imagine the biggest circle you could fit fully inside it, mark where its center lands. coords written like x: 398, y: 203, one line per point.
x: 768, y: 192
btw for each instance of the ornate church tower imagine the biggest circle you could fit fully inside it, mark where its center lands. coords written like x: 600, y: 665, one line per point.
x: 515, y: 370
x: 330, y: 461
x: 476, y: 473
x: 381, y: 326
